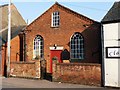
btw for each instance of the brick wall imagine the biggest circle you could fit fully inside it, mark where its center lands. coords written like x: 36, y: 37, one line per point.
x: 3, y: 60
x: 26, y: 69
x: 15, y: 49
x: 15, y: 53
x: 78, y: 73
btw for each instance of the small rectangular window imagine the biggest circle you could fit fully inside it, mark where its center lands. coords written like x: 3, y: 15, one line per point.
x: 55, y: 19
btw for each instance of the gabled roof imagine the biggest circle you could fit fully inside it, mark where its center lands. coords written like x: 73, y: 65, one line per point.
x: 68, y: 10
x: 75, y: 13
x: 17, y: 22
x: 113, y: 14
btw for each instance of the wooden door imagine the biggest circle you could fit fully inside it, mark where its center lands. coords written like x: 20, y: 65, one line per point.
x: 55, y: 54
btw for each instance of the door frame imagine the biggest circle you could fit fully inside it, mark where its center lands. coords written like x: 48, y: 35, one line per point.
x: 55, y: 49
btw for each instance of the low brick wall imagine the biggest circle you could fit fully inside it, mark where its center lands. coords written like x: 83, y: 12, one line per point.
x: 78, y: 73
x: 25, y: 69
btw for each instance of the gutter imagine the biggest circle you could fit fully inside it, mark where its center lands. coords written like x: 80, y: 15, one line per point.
x: 102, y: 68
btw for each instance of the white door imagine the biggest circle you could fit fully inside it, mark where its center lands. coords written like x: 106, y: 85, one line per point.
x: 111, y: 73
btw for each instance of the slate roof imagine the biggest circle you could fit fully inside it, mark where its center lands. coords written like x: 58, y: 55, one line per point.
x: 17, y: 23
x: 113, y: 14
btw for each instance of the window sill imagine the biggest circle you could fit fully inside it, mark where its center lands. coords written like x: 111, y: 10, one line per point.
x: 54, y: 26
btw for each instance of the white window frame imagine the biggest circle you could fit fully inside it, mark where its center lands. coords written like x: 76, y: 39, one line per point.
x: 55, y: 22
x: 40, y: 44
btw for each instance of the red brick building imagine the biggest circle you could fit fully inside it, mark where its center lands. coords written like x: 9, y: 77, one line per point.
x: 60, y: 33
x: 17, y: 25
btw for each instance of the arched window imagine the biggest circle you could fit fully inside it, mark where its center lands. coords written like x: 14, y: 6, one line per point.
x: 38, y: 47
x: 77, y: 46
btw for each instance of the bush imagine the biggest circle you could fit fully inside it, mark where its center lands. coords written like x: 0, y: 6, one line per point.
x: 55, y: 58
x: 37, y: 57
x: 75, y: 60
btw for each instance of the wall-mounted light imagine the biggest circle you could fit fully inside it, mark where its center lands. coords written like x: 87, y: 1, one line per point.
x: 55, y: 45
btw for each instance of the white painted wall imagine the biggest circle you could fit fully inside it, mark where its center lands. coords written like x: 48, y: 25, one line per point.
x: 112, y: 65
x: 110, y: 31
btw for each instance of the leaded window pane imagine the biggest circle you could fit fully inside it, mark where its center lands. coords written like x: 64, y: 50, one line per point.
x: 55, y: 19
x: 38, y: 46
x: 77, y: 46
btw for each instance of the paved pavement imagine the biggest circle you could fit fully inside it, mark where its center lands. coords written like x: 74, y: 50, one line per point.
x: 31, y: 83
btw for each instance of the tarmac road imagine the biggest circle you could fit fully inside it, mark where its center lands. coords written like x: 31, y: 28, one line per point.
x: 31, y: 83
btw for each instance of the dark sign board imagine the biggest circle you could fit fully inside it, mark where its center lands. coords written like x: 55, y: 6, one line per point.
x: 112, y: 52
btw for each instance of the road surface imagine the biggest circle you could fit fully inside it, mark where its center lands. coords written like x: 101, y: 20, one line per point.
x: 31, y: 83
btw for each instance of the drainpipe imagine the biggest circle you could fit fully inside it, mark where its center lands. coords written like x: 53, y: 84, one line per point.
x: 24, y: 46
x: 102, y: 67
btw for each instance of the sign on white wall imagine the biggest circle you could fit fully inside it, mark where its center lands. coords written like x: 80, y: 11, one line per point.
x: 112, y: 52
